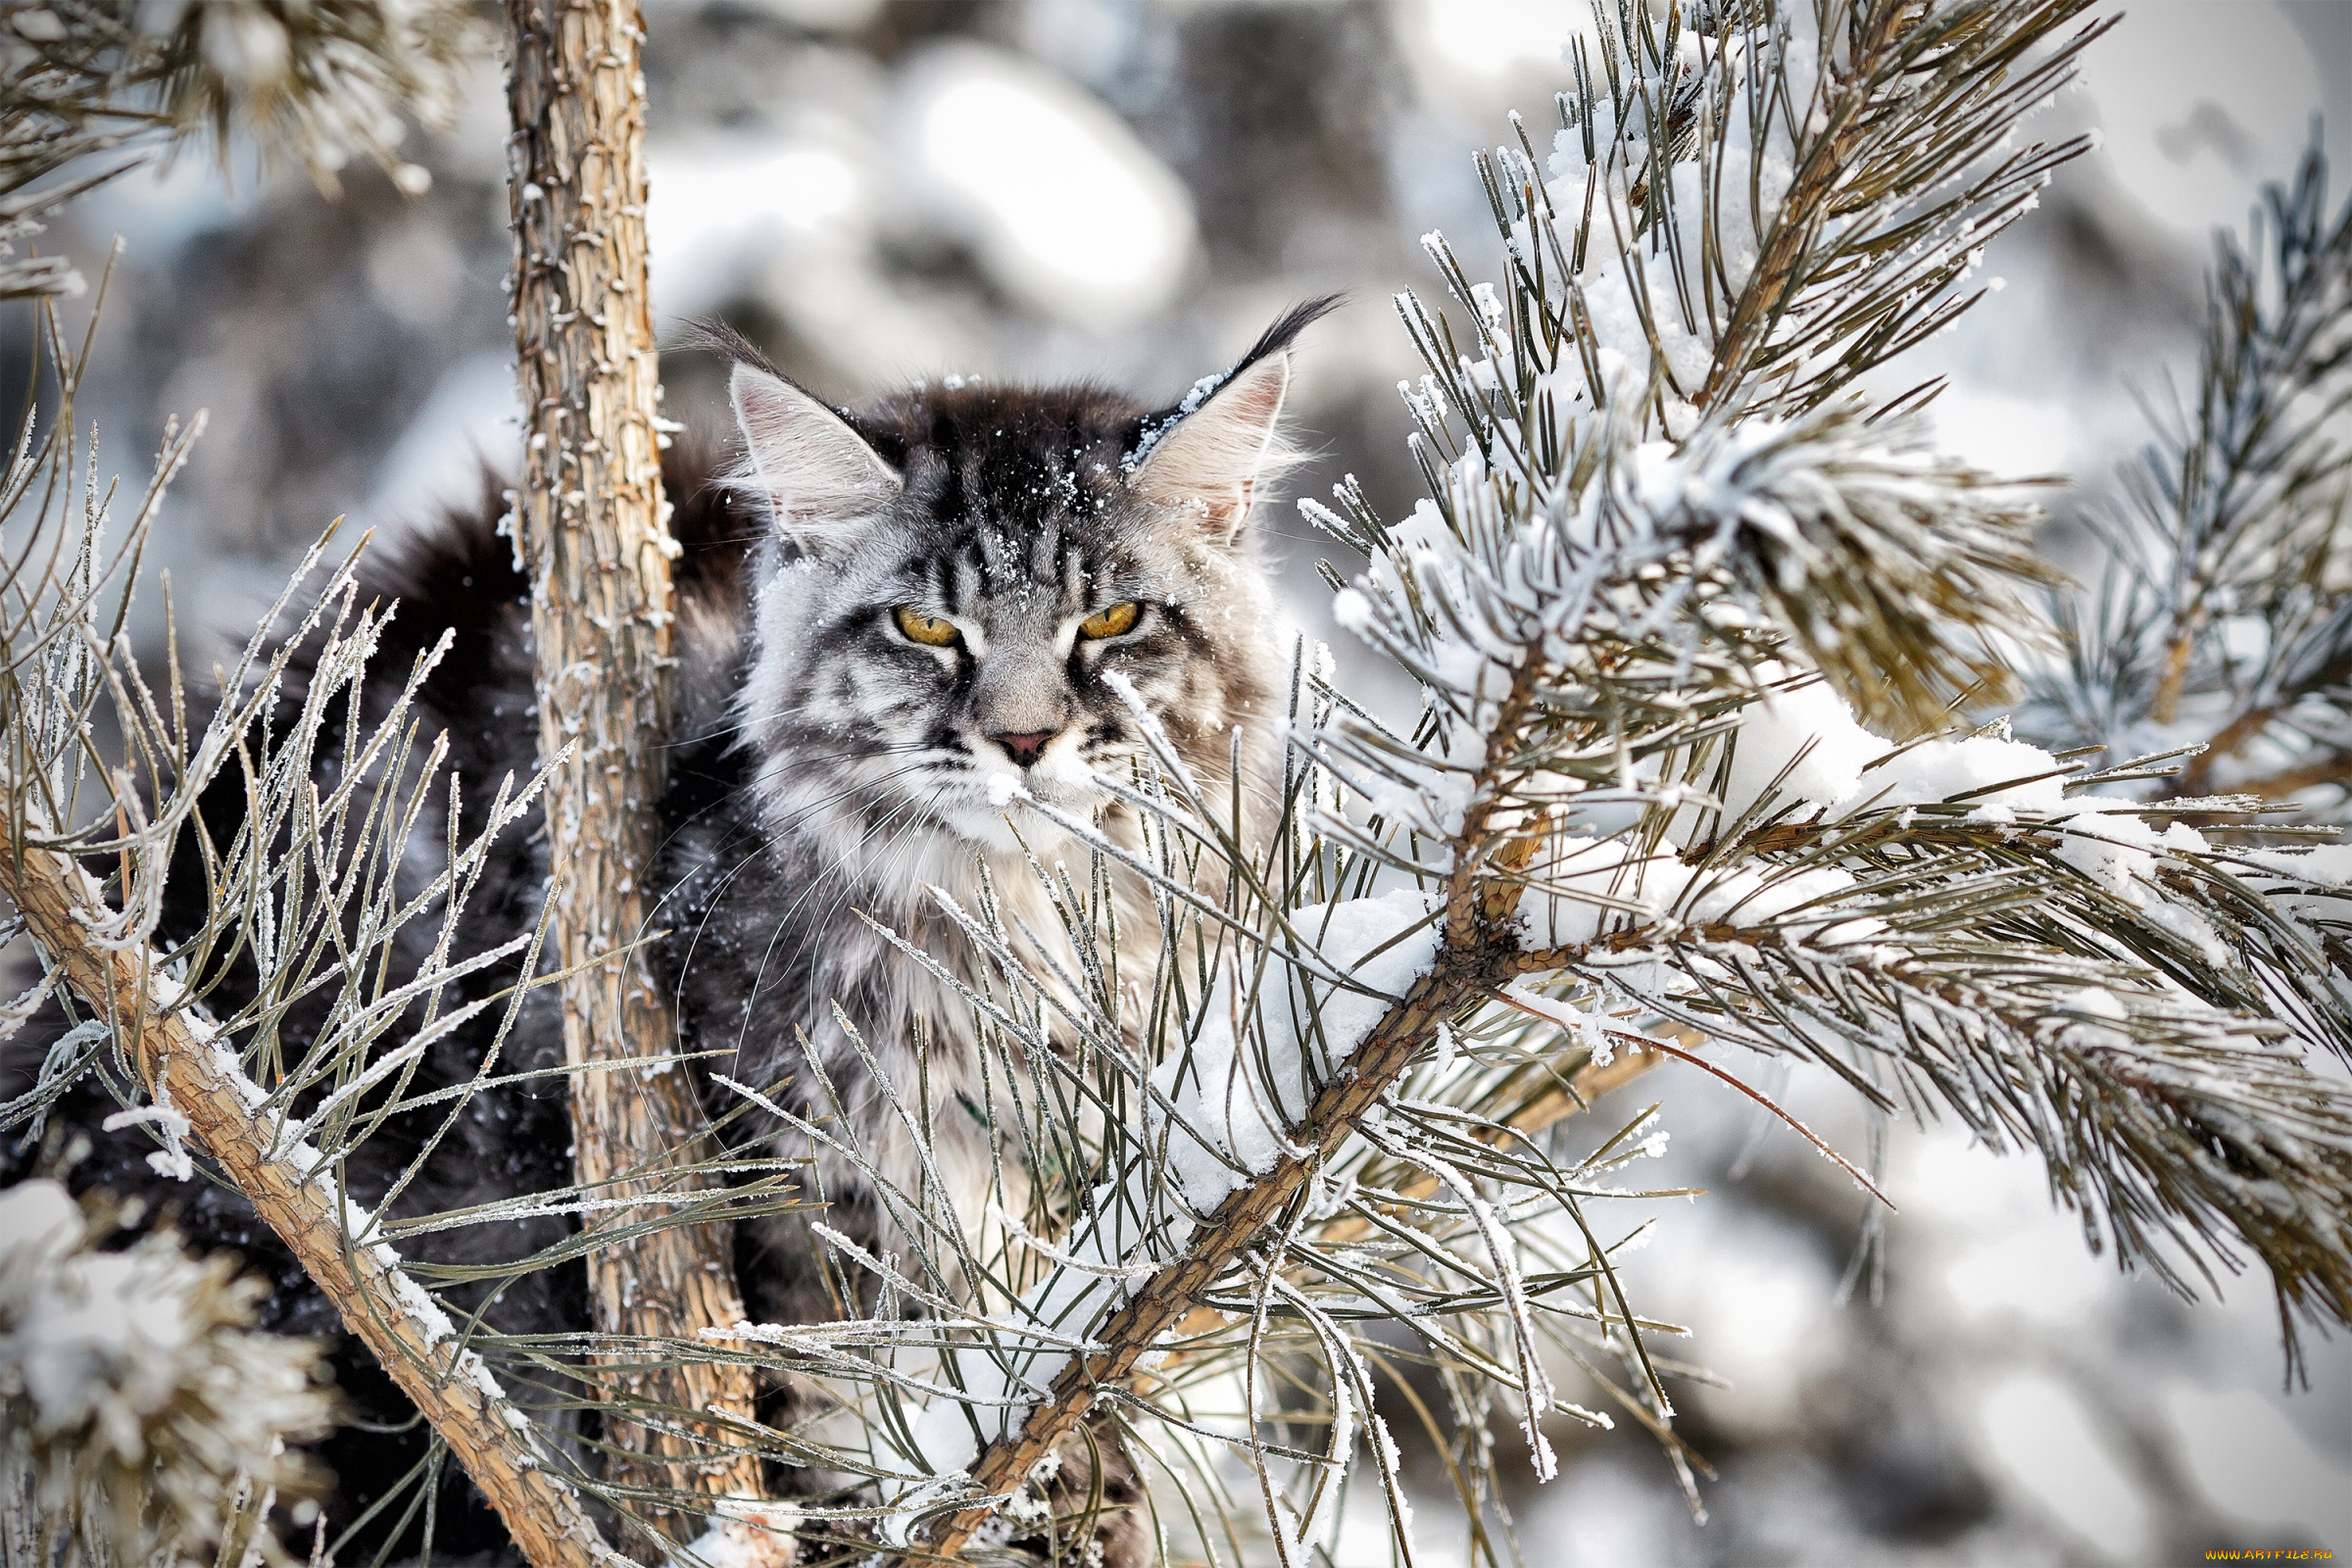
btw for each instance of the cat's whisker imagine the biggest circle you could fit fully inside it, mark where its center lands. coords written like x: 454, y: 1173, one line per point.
x: 811, y: 889
x: 714, y: 900
x: 727, y: 798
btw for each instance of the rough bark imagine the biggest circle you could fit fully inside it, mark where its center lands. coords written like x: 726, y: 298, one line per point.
x: 184, y: 1067
x: 593, y: 528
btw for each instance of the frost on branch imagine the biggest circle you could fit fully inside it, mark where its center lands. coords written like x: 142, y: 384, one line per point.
x: 1669, y: 553
x: 317, y: 85
x: 313, y: 895
x: 2220, y: 631
x: 136, y: 1396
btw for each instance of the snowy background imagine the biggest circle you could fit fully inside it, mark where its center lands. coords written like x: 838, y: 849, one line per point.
x: 1040, y: 188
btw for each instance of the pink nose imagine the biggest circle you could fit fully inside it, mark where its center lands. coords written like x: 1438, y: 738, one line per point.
x: 1025, y: 750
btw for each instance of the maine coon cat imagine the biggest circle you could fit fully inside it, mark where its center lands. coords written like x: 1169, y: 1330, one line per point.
x: 952, y: 583
x: 886, y: 618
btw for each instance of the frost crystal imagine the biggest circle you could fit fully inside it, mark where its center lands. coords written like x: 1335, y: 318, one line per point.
x: 130, y: 1376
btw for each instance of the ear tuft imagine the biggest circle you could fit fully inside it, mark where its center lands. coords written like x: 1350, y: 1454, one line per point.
x: 822, y: 482
x: 1222, y: 448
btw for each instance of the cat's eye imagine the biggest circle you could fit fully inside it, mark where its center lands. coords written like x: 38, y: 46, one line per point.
x: 1116, y: 622
x: 923, y: 629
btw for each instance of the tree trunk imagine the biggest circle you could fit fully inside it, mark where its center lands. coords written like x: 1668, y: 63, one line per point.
x: 593, y: 528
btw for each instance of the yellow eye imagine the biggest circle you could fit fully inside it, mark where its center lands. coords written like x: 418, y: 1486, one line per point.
x: 923, y: 629
x: 1116, y: 622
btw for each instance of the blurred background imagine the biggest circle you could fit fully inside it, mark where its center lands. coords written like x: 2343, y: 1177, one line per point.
x: 878, y: 191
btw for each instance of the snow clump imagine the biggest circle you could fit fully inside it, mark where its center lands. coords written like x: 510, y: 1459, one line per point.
x: 132, y: 1385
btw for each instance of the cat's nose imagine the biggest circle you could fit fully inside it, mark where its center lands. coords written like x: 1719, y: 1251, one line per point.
x: 1025, y: 748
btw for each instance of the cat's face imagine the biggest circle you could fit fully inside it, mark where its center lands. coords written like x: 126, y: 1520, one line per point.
x: 968, y: 585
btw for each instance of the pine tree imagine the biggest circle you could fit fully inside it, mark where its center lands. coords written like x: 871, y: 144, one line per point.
x: 1709, y: 766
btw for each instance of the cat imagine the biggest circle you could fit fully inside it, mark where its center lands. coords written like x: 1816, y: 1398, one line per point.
x: 887, y: 619
x: 947, y: 590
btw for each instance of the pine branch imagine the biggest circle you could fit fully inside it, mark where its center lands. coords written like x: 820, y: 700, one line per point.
x: 315, y: 84
x: 184, y: 1067
x: 2256, y: 475
x: 1476, y: 956
x: 2224, y: 614
x: 1787, y: 201
x: 180, y: 1432
x: 1558, y: 1099
x: 1466, y: 973
x: 2164, y: 1118
x: 2325, y: 678
x: 1856, y: 261
x: 592, y: 524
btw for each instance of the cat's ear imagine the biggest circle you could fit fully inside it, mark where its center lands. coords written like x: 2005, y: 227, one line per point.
x: 1222, y: 448
x: 822, y: 482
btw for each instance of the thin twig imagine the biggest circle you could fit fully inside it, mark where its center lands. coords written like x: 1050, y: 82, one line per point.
x: 186, y: 1066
